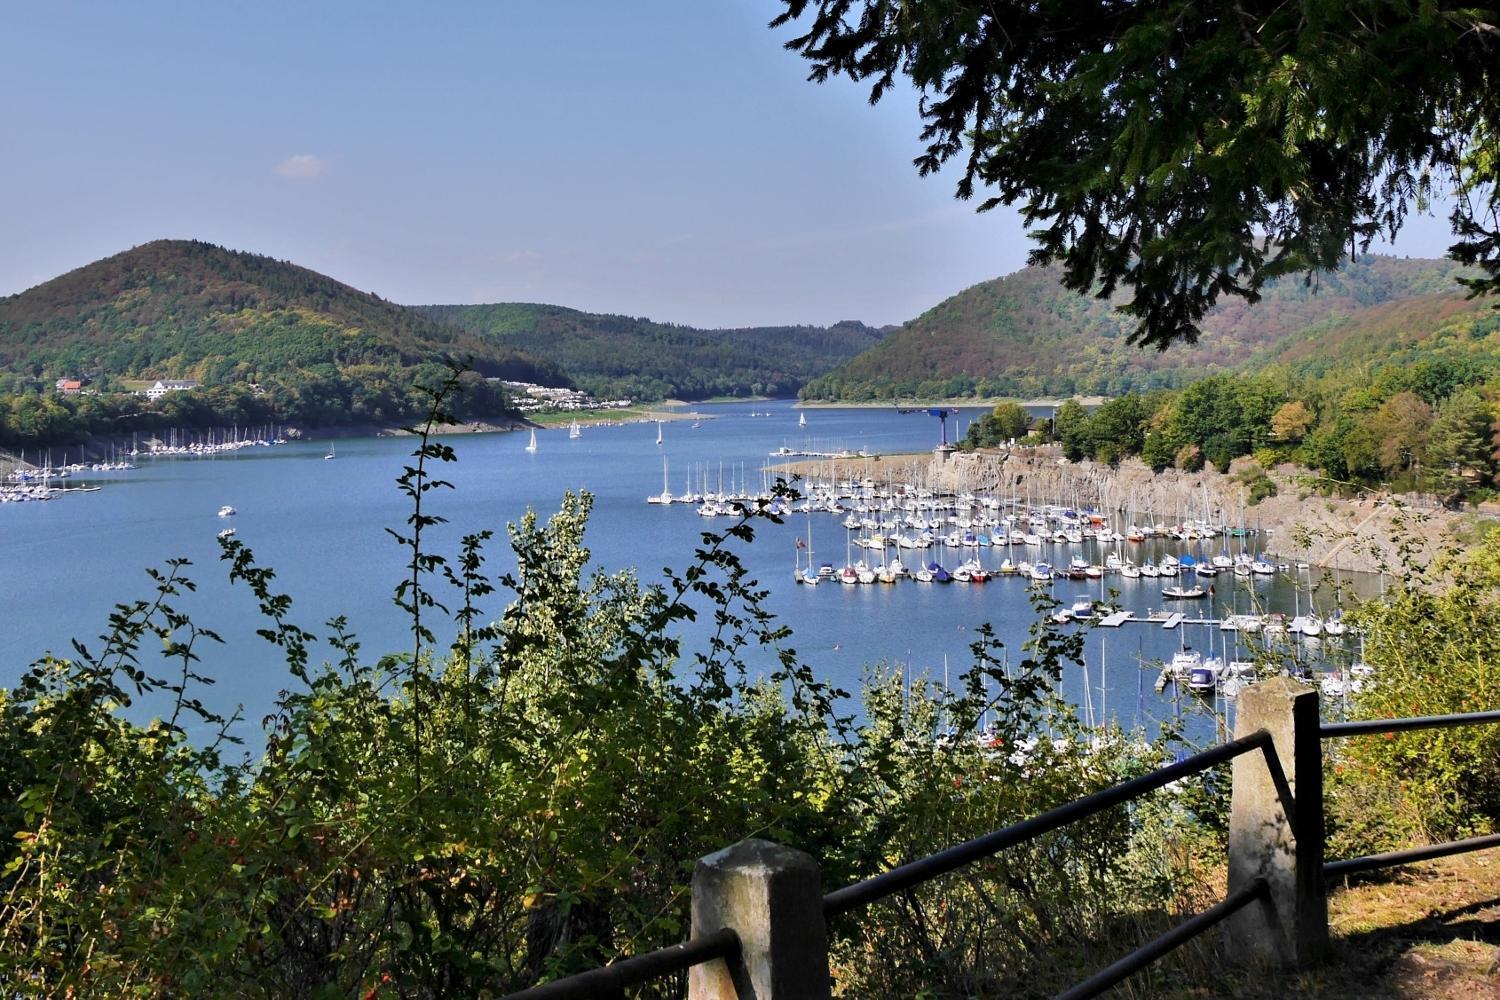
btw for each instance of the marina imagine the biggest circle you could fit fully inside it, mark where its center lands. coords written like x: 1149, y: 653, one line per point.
x: 319, y: 524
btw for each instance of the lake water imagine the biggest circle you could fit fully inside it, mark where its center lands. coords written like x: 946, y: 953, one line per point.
x: 320, y: 524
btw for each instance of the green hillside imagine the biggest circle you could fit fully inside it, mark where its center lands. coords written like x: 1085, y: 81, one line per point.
x: 186, y: 309
x: 1024, y: 334
x: 625, y: 356
x: 1443, y: 326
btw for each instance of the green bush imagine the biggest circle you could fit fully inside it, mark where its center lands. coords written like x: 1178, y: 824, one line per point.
x: 1433, y: 653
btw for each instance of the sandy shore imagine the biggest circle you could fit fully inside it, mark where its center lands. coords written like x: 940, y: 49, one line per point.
x: 1372, y: 532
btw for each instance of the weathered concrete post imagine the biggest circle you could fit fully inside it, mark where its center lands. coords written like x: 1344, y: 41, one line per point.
x: 1264, y: 842
x: 770, y: 895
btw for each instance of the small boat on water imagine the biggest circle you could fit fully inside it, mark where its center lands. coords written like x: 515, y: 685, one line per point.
x: 227, y: 511
x: 226, y: 533
x: 1183, y: 593
x: 1204, y: 677
x: 575, y: 431
x: 531, y: 445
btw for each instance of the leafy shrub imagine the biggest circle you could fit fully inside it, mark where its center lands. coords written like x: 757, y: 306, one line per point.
x: 1434, y: 652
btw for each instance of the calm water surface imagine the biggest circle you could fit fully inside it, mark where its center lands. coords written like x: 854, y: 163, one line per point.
x: 320, y: 525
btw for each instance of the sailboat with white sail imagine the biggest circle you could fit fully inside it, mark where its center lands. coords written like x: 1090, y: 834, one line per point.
x: 658, y: 432
x: 575, y: 431
x: 665, y: 496
x: 531, y: 445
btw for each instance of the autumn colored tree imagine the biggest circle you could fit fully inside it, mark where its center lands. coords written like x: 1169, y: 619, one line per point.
x: 1291, y: 422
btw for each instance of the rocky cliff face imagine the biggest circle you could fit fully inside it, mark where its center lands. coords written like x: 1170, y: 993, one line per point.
x: 1368, y: 534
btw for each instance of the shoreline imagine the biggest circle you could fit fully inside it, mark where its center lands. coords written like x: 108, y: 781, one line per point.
x: 989, y: 402
x: 97, y: 449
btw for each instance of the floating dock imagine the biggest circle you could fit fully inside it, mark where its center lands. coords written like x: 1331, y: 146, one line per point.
x: 1172, y: 621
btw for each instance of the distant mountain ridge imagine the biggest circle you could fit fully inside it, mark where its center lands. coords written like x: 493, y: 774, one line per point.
x: 1024, y: 335
x: 615, y: 355
x: 185, y: 308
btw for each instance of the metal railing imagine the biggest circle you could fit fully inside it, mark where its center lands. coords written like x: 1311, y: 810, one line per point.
x: 912, y: 874
x: 725, y: 944
x: 609, y: 980
x: 1366, y: 727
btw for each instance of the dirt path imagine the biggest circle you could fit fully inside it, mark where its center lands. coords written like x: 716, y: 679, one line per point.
x: 1426, y: 931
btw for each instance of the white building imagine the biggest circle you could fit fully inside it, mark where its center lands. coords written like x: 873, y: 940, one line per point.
x: 164, y: 386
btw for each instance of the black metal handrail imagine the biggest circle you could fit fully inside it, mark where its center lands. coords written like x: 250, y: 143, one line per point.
x: 1370, y: 862
x: 1179, y: 935
x: 916, y: 872
x: 725, y: 944
x: 1362, y: 727
x: 611, y: 978
x: 1332, y: 730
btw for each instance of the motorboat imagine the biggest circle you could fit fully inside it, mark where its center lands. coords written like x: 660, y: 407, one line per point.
x: 1183, y: 593
x: 1204, y: 677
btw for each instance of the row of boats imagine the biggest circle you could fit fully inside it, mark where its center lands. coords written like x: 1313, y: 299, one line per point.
x: 971, y: 570
x: 38, y: 491
x: 1192, y: 671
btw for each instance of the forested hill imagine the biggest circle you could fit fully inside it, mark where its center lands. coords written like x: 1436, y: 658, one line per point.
x: 187, y: 309
x: 625, y: 356
x: 1025, y: 335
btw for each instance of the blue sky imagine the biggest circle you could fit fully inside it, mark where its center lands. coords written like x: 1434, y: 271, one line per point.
x: 661, y: 158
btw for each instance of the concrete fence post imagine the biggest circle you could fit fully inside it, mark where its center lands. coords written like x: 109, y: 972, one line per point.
x: 1291, y: 929
x: 770, y: 895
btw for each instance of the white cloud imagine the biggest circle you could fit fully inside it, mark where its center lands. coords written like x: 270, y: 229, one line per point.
x: 302, y: 167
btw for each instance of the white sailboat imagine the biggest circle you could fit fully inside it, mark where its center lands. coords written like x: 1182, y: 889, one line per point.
x: 658, y: 432
x: 575, y: 431
x: 665, y: 496
x: 802, y: 420
x: 531, y: 446
x: 331, y: 452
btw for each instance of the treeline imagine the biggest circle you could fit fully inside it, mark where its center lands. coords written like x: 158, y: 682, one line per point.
x: 840, y: 387
x: 1428, y: 426
x: 623, y: 356
x: 322, y: 397
x: 1025, y: 335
